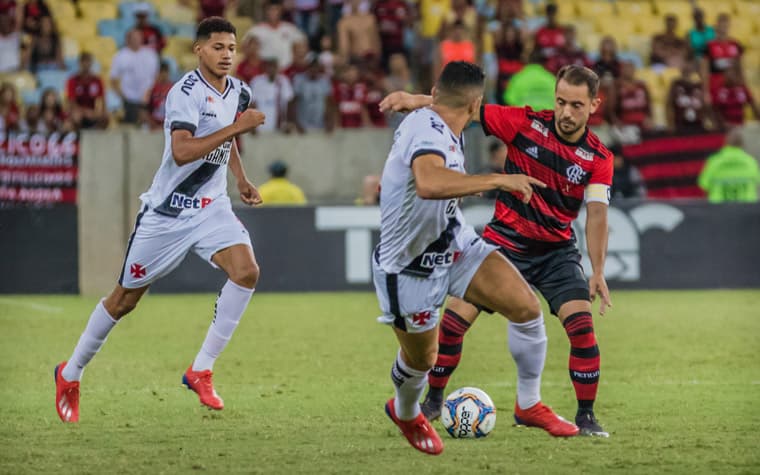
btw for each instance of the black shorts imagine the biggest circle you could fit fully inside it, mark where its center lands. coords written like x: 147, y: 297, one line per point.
x: 557, y: 275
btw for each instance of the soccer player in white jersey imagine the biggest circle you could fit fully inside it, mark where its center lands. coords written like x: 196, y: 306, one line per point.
x: 186, y: 209
x: 426, y: 251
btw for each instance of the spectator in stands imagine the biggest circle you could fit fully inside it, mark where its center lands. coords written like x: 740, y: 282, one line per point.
x: 550, y: 37
x: 9, y: 8
x: 85, y: 96
x: 685, y: 107
x: 393, y: 17
x: 307, y: 16
x: 626, y: 179
x: 53, y: 118
x: 669, y: 49
x: 358, y: 36
x: 731, y: 98
x: 11, y: 48
x: 497, y: 154
x: 278, y: 190
x: 32, y: 123
x: 605, y: 109
x: 46, y: 52
x: 156, y: 98
x: 301, y: 60
x: 10, y: 114
x: 432, y: 14
x: 633, y: 106
x: 456, y: 47
x: 250, y: 66
x: 731, y: 174
x: 133, y: 71
x: 313, y: 99
x: 569, y: 53
x: 372, y: 76
x: 533, y: 86
x: 151, y: 35
x: 608, y: 62
x: 398, y: 79
x: 207, y: 8
x: 509, y: 54
x: 276, y: 37
x: 326, y: 55
x: 34, y: 11
x: 272, y: 93
x: 350, y: 96
x: 461, y: 12
x: 700, y: 35
x: 721, y: 54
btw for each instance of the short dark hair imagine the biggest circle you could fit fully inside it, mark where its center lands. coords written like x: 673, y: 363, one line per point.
x: 214, y: 24
x: 457, y: 81
x: 579, y: 75
x: 278, y: 169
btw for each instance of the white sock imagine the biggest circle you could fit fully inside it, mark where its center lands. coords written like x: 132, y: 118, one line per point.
x: 230, y: 305
x: 92, y: 339
x: 527, y: 343
x: 410, y: 384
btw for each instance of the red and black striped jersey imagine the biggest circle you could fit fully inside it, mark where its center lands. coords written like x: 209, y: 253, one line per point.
x: 535, y: 149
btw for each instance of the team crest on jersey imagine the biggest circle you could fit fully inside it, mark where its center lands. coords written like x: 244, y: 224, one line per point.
x: 584, y: 154
x: 541, y: 128
x: 209, y: 99
x: 576, y: 174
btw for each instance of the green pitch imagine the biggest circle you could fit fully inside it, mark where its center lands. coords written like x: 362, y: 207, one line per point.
x: 306, y: 375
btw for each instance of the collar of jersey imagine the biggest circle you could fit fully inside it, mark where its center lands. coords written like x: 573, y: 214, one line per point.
x: 227, y: 89
x: 565, y: 142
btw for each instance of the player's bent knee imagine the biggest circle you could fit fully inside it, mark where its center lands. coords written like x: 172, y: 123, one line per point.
x: 246, y: 275
x: 526, y: 310
x: 424, y: 361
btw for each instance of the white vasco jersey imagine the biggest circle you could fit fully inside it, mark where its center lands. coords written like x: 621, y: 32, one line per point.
x: 418, y: 237
x: 194, y: 105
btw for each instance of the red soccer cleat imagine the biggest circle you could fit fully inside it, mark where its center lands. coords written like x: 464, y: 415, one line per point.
x: 541, y: 415
x: 418, y: 431
x: 66, y: 396
x: 200, y: 382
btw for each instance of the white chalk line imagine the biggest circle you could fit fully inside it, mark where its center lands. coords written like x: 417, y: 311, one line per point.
x: 692, y: 382
x: 40, y: 307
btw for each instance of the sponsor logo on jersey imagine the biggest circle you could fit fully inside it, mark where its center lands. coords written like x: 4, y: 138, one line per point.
x: 431, y: 260
x: 541, y: 128
x: 219, y: 155
x: 575, y: 174
x: 208, y: 114
x: 188, y: 84
x: 188, y: 202
x: 532, y: 151
x: 584, y: 154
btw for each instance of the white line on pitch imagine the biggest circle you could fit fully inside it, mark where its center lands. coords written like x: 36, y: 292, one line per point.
x: 693, y: 382
x: 41, y: 307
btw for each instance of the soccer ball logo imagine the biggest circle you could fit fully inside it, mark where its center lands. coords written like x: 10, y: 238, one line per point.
x: 468, y: 413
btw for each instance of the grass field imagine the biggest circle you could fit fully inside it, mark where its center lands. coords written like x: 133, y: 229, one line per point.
x: 306, y: 375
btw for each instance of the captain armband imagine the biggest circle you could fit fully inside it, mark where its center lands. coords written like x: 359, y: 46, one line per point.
x: 597, y: 192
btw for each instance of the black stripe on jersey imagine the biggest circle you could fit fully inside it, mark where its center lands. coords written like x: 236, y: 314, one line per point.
x: 530, y: 213
x: 244, y: 99
x: 179, y: 125
x: 230, y: 86
x: 525, y: 245
x: 188, y: 187
x: 438, y: 246
x: 546, y: 157
x: 129, y: 246
x: 427, y: 151
x: 551, y: 197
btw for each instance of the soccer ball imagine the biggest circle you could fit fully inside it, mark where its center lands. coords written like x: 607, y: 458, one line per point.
x: 468, y: 413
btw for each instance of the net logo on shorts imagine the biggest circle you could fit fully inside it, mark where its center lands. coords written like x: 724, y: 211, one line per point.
x: 431, y: 260
x: 181, y: 201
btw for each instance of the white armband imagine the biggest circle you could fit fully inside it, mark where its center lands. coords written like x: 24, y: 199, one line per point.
x: 597, y: 192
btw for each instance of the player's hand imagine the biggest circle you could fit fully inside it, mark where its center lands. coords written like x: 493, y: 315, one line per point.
x: 399, y: 101
x: 522, y: 184
x: 248, y: 193
x: 598, y: 285
x: 250, y: 119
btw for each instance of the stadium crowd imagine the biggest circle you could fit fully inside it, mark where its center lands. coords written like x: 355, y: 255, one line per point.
x: 71, y: 64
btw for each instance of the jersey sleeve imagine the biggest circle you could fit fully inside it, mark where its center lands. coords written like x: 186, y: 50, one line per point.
x: 502, y: 122
x: 426, y: 140
x: 182, y: 110
x: 598, y: 188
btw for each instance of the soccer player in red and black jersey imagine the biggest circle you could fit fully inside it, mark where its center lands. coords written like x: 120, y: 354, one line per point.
x: 557, y: 148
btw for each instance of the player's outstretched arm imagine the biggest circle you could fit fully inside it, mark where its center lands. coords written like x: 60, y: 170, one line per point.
x: 596, y: 241
x: 401, y: 101
x: 434, y: 181
x: 187, y: 149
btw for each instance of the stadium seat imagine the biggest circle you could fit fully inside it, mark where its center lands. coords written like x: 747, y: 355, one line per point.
x: 113, y: 28
x: 631, y: 9
x: 641, y: 45
x: 681, y: 9
x: 176, y: 13
x: 53, y: 79
x: 94, y: 10
x: 62, y: 11
x: 242, y: 24
x: 78, y: 28
x: 668, y: 76
x: 748, y: 8
x: 31, y: 96
x: 617, y: 28
x: 589, y: 40
x: 127, y: 9
x: 177, y: 46
x: 22, y: 80
x: 184, y: 30
x: 595, y: 8
x: 70, y: 47
x: 174, y: 71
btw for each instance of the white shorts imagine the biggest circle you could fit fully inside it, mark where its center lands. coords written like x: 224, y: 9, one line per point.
x: 160, y: 243
x: 413, y: 303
